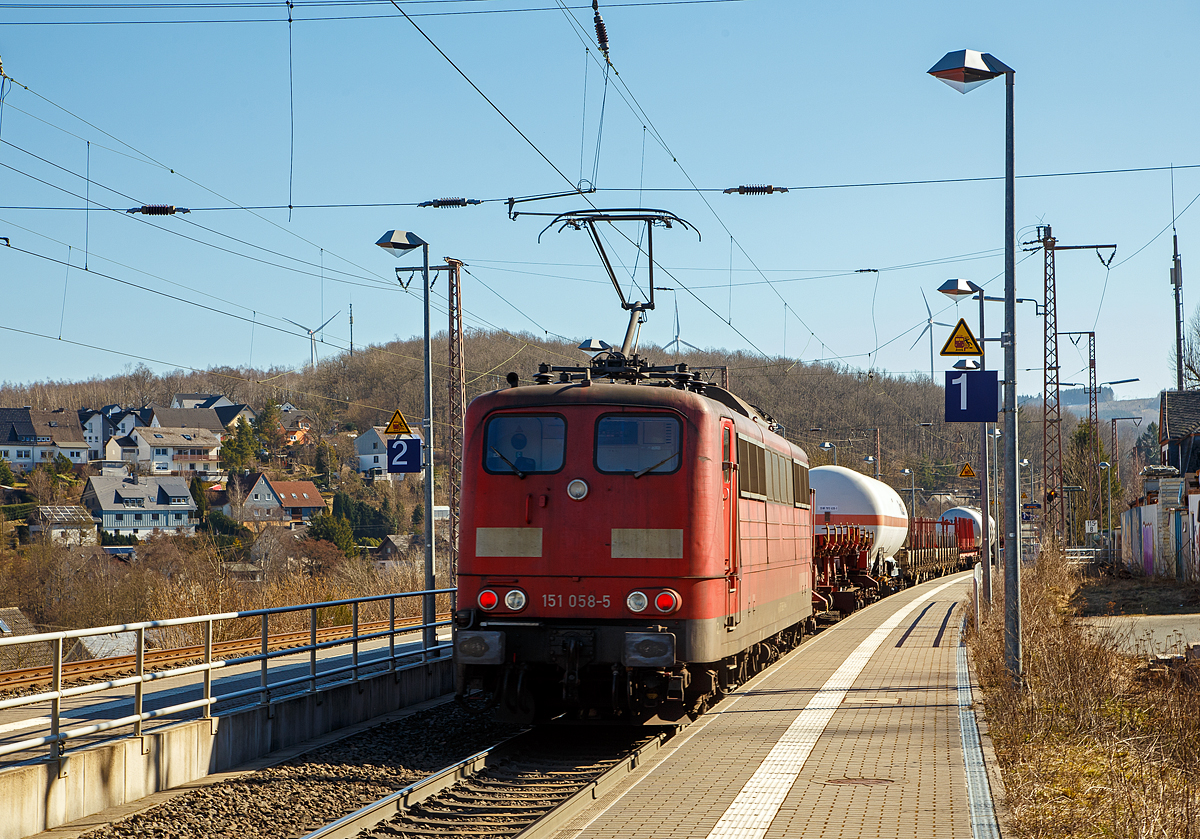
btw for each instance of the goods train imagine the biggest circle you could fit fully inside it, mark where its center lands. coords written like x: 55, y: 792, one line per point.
x: 635, y: 541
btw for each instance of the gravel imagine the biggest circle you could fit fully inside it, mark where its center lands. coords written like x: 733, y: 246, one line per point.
x: 311, y: 790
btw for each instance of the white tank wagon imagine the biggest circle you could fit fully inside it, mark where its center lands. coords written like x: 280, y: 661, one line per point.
x: 976, y: 516
x: 846, y: 497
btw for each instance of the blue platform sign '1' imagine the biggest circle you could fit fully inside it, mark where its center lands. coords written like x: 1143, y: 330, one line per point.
x: 404, y: 454
x: 972, y: 395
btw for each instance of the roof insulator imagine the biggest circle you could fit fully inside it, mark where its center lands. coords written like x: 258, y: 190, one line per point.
x: 755, y: 189
x: 158, y: 210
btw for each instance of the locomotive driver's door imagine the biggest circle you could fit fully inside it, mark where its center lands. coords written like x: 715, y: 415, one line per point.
x: 729, y: 517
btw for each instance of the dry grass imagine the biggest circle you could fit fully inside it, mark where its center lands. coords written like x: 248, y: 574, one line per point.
x: 1097, y: 743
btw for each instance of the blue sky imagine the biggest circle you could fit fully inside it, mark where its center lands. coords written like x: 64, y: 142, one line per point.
x: 207, y: 115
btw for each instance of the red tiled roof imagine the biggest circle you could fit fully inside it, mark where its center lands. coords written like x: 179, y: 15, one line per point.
x: 305, y: 493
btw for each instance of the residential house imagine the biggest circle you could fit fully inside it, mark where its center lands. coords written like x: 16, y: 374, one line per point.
x: 140, y: 506
x: 298, y: 426
x: 200, y: 400
x: 125, y: 421
x: 229, y: 415
x: 169, y: 451
x: 285, y: 503
x: 371, y: 447
x: 65, y: 525
x: 29, y: 437
x: 97, y: 430
x: 157, y: 416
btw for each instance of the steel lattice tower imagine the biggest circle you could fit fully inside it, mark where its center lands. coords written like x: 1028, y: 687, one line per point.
x: 1054, y: 517
x: 458, y: 404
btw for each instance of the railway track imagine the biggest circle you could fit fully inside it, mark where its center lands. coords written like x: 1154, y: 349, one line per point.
x: 530, y: 785
x: 158, y: 659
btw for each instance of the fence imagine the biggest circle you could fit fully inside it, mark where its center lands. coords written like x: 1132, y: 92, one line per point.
x: 204, y: 628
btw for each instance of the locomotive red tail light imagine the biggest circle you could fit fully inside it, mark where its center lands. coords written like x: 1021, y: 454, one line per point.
x: 666, y: 601
x: 488, y: 600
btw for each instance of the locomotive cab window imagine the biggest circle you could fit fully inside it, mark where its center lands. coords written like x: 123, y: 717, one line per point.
x: 638, y: 444
x: 524, y: 443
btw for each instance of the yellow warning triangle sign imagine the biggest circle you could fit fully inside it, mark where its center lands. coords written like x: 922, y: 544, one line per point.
x: 398, y: 425
x: 961, y: 341
x: 967, y: 471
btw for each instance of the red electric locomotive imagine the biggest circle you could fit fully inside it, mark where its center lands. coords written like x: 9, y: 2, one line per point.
x: 633, y: 542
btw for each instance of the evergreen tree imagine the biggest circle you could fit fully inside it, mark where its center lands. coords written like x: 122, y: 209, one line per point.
x: 239, y: 447
x: 322, y: 460
x: 331, y: 528
x: 200, y: 497
x: 1148, y: 445
x: 268, y: 427
x: 6, y: 475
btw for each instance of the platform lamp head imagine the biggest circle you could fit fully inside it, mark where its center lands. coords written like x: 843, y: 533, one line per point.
x: 965, y: 70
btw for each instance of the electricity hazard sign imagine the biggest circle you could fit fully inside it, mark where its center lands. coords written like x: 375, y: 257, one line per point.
x: 398, y: 425
x: 967, y: 471
x: 961, y: 341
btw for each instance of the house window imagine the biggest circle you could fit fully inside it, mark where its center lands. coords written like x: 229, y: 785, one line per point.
x: 256, y: 496
x: 376, y: 458
x: 154, y: 517
x: 256, y: 512
x: 137, y: 516
x: 119, y: 517
x: 178, y: 516
x: 4, y: 453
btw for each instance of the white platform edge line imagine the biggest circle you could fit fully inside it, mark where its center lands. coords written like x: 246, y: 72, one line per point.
x: 755, y: 807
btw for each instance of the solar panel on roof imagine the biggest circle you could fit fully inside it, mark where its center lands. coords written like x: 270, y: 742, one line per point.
x: 5, y: 627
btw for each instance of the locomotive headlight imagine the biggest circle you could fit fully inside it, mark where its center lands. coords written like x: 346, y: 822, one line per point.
x: 488, y: 600
x: 577, y: 489
x: 666, y: 601
x: 637, y: 601
x: 515, y: 600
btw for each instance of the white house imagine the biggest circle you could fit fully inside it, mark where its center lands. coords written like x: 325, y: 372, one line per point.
x: 169, y: 451
x: 29, y: 438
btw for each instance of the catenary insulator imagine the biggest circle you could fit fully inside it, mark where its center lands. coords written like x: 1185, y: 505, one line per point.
x: 601, y: 31
x: 450, y: 202
x: 755, y: 189
x: 158, y: 210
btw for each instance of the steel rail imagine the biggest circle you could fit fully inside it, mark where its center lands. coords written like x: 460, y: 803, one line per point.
x: 401, y: 801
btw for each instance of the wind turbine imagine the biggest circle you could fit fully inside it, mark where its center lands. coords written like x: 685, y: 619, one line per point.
x: 929, y: 328
x: 312, y: 335
x: 677, y: 342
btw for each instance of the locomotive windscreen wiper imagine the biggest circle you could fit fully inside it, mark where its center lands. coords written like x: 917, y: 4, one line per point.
x: 650, y: 468
x: 517, y: 471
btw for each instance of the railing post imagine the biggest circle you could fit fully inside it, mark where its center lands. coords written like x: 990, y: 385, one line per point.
x: 312, y: 653
x: 56, y: 747
x: 265, y: 698
x: 139, y: 688
x: 354, y: 643
x: 208, y: 650
x: 392, y: 634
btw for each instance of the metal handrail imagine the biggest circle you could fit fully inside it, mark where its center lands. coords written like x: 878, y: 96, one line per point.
x: 58, y: 736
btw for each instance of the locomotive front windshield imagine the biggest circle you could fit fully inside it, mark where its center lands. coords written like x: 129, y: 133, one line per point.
x: 525, y: 443
x: 642, y: 445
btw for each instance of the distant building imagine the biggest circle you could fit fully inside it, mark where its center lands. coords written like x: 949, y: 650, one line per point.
x: 1179, y: 429
x: 140, y: 506
x: 200, y: 400
x: 65, y: 525
x: 30, y: 438
x: 169, y: 451
x: 281, y: 503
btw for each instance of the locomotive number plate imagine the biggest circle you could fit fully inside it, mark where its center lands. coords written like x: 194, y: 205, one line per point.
x: 576, y: 601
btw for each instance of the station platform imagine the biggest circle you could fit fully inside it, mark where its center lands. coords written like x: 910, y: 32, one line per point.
x: 866, y: 730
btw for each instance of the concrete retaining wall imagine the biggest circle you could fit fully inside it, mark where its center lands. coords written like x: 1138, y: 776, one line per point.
x: 39, y: 797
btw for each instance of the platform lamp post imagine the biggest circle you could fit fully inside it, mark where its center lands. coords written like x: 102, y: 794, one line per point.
x: 871, y: 460
x: 912, y: 488
x: 400, y: 242
x: 965, y: 70
x: 829, y: 447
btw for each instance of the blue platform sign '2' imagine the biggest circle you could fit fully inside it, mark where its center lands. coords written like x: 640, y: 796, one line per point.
x: 972, y: 395
x: 404, y: 454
